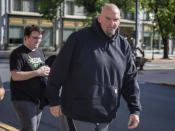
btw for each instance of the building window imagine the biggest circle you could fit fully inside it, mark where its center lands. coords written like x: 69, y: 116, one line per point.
x: 69, y: 8
x: 28, y: 6
x: 47, y: 37
x: 16, y: 35
x: 145, y: 16
x: 130, y: 16
x: 122, y: 15
x: 66, y: 33
x: 17, y: 5
x: 147, y: 40
x: 79, y: 11
x: 24, y: 5
x: 17, y: 25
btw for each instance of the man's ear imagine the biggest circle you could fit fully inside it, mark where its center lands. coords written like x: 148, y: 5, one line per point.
x: 26, y: 37
x: 99, y: 18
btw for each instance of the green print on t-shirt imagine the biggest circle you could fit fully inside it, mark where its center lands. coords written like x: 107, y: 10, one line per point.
x: 36, y: 62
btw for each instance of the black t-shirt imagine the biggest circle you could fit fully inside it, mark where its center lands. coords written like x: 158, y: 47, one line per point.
x: 23, y: 59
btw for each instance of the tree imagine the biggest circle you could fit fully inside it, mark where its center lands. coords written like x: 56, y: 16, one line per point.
x: 49, y: 8
x: 92, y: 7
x: 125, y: 5
x: 164, y: 12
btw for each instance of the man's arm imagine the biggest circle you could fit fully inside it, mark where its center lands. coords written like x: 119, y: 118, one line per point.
x: 25, y: 75
x: 59, y: 72
x: 131, y: 91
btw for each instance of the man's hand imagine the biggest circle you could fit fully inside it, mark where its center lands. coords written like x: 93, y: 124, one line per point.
x: 56, y: 111
x: 2, y: 92
x: 133, y: 121
x: 43, y: 71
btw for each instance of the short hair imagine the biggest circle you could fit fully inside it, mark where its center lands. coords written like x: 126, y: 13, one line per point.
x: 109, y: 6
x: 28, y: 29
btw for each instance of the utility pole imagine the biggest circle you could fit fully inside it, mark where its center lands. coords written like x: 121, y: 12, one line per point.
x: 136, y: 23
x: 61, y: 24
x: 153, y: 25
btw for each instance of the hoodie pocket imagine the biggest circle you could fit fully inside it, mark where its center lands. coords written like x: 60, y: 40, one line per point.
x: 99, y: 101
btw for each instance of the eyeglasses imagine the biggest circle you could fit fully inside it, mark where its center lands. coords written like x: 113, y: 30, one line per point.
x: 36, y: 37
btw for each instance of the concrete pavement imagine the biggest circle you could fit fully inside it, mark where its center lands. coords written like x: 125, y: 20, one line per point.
x: 158, y: 71
x: 163, y: 77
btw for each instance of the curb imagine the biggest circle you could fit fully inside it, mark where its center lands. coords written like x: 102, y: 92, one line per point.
x: 4, y: 54
x: 164, y: 84
x: 167, y: 84
x: 5, y: 127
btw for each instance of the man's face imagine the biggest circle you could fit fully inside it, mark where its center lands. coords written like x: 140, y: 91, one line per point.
x: 109, y: 21
x: 34, y: 40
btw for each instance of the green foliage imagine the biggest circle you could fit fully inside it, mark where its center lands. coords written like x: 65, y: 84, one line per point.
x: 125, y: 5
x: 48, y: 8
x: 91, y: 6
x: 164, y: 12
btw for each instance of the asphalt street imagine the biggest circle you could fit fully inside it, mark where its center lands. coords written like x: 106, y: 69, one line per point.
x: 158, y: 112
x: 158, y: 103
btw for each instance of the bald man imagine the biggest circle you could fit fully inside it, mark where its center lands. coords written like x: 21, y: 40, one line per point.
x: 94, y: 68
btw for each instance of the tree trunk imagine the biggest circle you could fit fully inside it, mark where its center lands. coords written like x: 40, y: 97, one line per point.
x: 166, y: 48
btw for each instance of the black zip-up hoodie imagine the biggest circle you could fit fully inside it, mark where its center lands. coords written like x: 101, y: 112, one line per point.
x: 93, y: 71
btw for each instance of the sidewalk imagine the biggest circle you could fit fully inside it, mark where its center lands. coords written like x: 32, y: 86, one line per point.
x: 158, y: 71
x: 6, y: 54
x: 157, y: 55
